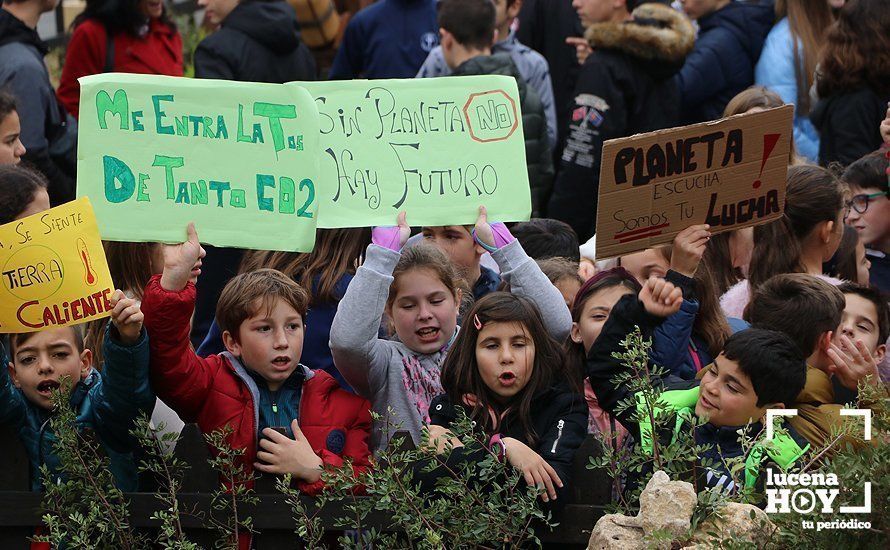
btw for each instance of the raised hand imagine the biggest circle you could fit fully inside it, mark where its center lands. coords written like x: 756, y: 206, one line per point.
x: 491, y: 235
x: 582, y: 47
x: 885, y: 126
x: 282, y: 455
x: 689, y: 246
x: 660, y: 297
x: 535, y: 469
x: 127, y: 317
x: 182, y: 262
x: 392, y: 237
x: 852, y: 362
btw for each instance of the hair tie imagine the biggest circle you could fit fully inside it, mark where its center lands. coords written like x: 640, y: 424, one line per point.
x: 476, y: 322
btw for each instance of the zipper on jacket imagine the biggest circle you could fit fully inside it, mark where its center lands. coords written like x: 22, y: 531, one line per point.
x: 559, y: 426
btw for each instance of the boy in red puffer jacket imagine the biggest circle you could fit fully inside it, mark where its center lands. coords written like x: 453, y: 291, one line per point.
x: 259, y: 383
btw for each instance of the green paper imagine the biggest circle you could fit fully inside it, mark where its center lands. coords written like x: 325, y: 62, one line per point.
x: 238, y: 159
x: 437, y: 148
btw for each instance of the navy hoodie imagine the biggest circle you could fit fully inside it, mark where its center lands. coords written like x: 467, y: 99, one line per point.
x: 388, y: 39
x: 722, y: 61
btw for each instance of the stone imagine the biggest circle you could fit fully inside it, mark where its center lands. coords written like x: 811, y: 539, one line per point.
x: 735, y: 522
x: 617, y: 532
x: 667, y: 506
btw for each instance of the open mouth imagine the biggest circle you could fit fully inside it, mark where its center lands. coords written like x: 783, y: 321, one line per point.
x: 282, y: 361
x: 427, y: 334
x: 47, y: 386
x: 507, y: 378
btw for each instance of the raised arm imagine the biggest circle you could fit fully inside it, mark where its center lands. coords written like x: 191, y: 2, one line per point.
x: 125, y: 393
x: 355, y: 344
x: 657, y: 300
x: 524, y: 275
x: 178, y: 376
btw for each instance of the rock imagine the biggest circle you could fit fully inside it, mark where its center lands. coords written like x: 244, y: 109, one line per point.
x: 735, y: 522
x: 617, y: 532
x: 667, y: 506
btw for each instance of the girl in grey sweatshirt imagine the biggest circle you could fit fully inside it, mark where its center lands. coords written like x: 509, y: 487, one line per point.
x: 419, y: 291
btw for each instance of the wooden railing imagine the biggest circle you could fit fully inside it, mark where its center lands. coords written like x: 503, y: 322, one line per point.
x: 20, y: 509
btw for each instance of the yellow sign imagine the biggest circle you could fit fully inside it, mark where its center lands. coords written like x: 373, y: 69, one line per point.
x: 53, y: 270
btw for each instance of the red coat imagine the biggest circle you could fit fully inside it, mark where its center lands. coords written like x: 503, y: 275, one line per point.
x: 208, y: 391
x: 160, y: 52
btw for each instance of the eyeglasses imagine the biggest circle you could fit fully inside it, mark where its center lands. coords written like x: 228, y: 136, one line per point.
x: 859, y: 203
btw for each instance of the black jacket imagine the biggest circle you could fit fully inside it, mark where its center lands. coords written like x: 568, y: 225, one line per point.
x: 559, y: 418
x: 722, y: 442
x: 258, y: 42
x: 544, y: 26
x: 626, y: 87
x: 849, y: 125
x: 50, y: 142
x: 722, y: 62
x: 534, y: 125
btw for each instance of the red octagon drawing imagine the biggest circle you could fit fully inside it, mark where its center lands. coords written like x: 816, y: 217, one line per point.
x: 473, y: 98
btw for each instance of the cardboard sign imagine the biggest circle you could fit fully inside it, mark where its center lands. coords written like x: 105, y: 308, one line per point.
x: 53, y: 270
x: 729, y: 173
x: 436, y: 148
x: 238, y: 159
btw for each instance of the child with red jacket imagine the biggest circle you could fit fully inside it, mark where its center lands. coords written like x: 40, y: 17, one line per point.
x: 257, y: 384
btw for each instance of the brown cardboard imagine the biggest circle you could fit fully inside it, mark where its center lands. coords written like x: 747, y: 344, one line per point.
x: 652, y: 205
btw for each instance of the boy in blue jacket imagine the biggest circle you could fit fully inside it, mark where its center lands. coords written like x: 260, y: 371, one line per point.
x: 107, y: 402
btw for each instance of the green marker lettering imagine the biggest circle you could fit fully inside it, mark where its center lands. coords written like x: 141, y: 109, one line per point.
x: 183, y: 195
x: 117, y: 171
x: 263, y: 181
x: 169, y: 163
x: 160, y: 114
x: 275, y: 112
x: 119, y: 106
x: 141, y: 191
x: 286, y: 195
x: 221, y: 131
x: 238, y: 198
x: 137, y: 124
x: 220, y: 187
x: 199, y: 192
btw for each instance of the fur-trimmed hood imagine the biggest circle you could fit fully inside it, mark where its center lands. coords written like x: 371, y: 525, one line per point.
x: 657, y: 32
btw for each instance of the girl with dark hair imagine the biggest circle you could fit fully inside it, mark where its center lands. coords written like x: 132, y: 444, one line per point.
x: 11, y: 148
x: 807, y: 234
x: 22, y: 193
x: 122, y: 36
x: 327, y: 271
x: 788, y: 62
x: 849, y: 263
x: 853, y: 82
x: 590, y: 311
x: 509, y: 376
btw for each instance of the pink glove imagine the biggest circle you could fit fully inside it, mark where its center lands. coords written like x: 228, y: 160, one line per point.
x: 502, y: 237
x: 387, y: 237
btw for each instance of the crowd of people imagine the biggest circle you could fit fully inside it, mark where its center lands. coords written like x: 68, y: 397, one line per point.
x: 516, y: 325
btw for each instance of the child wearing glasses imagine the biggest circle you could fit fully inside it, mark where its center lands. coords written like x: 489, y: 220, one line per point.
x: 869, y: 213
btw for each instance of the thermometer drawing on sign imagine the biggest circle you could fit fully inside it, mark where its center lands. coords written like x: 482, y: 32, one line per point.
x: 83, y: 252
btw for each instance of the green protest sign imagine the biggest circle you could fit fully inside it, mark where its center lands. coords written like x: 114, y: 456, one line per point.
x: 436, y: 148
x: 238, y: 159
